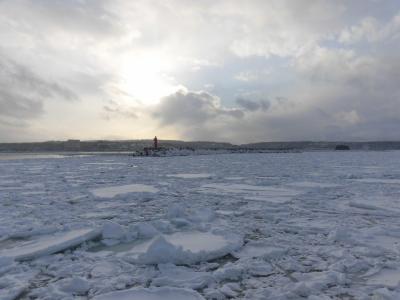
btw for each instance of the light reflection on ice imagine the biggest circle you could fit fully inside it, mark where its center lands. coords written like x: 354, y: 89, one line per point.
x: 192, y: 241
x: 310, y: 184
x: 180, y: 247
x: 378, y: 180
x: 47, y: 244
x: 106, y: 163
x: 386, y: 277
x: 198, y: 241
x: 381, y: 203
x: 112, y: 191
x: 164, y: 293
x: 251, y: 192
x: 235, y: 178
x: 191, y: 175
x: 7, y: 156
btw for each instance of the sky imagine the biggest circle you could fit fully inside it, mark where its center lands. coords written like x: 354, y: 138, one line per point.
x: 220, y: 70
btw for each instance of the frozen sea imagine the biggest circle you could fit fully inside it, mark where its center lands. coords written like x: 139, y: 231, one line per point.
x: 313, y: 225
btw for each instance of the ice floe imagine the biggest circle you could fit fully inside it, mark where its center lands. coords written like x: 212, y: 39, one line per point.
x: 260, y: 249
x: 179, y: 248
x: 251, y: 192
x: 48, y: 244
x: 112, y: 191
x: 191, y: 175
x: 389, y: 278
x: 311, y: 184
x: 378, y: 180
x: 163, y: 293
x: 180, y: 276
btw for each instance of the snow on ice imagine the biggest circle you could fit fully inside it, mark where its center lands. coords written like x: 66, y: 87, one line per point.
x: 48, y: 244
x: 112, y: 191
x: 152, y: 294
x: 190, y: 176
x: 317, y: 225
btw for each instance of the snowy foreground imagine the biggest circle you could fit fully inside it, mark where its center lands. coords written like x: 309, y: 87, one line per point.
x: 317, y: 225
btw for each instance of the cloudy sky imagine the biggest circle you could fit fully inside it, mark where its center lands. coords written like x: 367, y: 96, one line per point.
x: 238, y: 71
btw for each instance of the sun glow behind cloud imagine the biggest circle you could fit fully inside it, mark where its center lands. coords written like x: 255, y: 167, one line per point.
x: 278, y: 68
x: 145, y: 77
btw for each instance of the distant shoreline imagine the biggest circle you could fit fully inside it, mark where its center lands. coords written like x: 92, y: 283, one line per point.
x: 131, y: 146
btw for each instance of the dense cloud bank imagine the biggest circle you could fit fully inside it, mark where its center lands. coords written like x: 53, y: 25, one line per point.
x: 228, y: 70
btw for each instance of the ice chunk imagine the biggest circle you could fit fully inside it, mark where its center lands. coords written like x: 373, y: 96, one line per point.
x: 227, y: 290
x: 251, y: 192
x: 164, y: 293
x: 379, y: 180
x: 229, y: 272
x: 112, y: 230
x: 11, y: 289
x: 382, y: 204
x: 177, y: 216
x: 340, y: 234
x: 387, y: 277
x: 191, y: 175
x: 49, y: 244
x: 99, y: 215
x: 172, y: 275
x: 112, y: 233
x: 179, y: 248
x: 146, y: 230
x: 9, y: 156
x: 104, y: 269
x: 317, y: 281
x: 112, y: 191
x: 5, y: 262
x: 260, y: 249
x: 175, y: 211
x: 311, y: 184
x: 74, y: 286
x: 203, y: 215
x: 260, y: 268
x: 385, y: 294
x: 14, y: 284
x: 235, y: 178
x: 363, y: 205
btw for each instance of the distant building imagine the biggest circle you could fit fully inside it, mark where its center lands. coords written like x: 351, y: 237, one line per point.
x: 72, y: 145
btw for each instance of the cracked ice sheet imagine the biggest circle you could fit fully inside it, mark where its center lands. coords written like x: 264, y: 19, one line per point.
x: 251, y: 192
x: 317, y: 233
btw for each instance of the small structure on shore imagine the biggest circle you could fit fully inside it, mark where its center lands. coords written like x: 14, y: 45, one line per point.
x: 342, y: 147
x: 152, y: 151
x: 155, y: 142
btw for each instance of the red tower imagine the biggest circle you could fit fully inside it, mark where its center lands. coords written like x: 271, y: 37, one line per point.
x: 155, y: 142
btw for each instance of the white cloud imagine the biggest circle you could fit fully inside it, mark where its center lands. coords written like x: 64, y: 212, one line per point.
x: 348, y: 117
x: 252, y: 75
x: 331, y: 63
x: 22, y: 93
x: 189, y: 108
x: 371, y: 30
